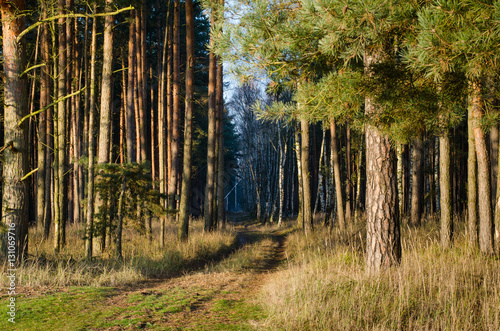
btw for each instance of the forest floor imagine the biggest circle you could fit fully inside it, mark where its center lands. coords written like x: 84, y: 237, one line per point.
x: 220, y: 295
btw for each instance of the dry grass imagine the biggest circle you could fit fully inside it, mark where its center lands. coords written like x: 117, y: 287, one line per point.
x: 326, y: 287
x: 142, y: 259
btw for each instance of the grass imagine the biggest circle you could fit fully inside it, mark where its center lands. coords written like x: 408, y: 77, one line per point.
x: 142, y: 259
x: 325, y: 286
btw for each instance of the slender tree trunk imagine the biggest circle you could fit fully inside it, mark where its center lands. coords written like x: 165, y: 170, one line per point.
x: 300, y: 221
x: 91, y: 143
x: 494, y: 160
x: 15, y: 155
x: 281, y: 180
x: 130, y: 91
x: 348, y: 166
x: 45, y: 100
x: 219, y: 104
x: 319, y: 192
x: 209, y: 188
x: 174, y: 145
x: 336, y: 173
x: 472, y: 213
x: 120, y: 215
x: 445, y: 190
x: 383, y: 227
x: 60, y: 222
x: 186, y: 164
x: 306, y: 177
x: 106, y: 107
x: 486, y: 241
x: 417, y: 189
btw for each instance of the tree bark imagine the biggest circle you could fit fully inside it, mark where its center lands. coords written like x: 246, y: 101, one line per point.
x: 89, y: 230
x: 186, y: 164
x: 445, y: 190
x: 417, y: 189
x: 306, y: 177
x: 383, y: 226
x: 336, y: 173
x: 106, y: 107
x: 209, y: 188
x: 15, y: 154
x: 486, y: 241
x: 472, y: 213
x: 130, y: 89
x: 219, y: 104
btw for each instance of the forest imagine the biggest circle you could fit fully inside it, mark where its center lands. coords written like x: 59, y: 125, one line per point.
x: 250, y: 165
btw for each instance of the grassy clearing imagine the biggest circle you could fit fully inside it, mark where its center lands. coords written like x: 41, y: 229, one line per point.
x: 142, y: 258
x: 325, y: 286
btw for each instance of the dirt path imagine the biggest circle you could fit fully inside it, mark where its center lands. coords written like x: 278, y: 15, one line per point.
x: 222, y: 296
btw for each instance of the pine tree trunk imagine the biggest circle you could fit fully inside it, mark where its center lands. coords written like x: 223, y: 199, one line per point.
x: 59, y: 221
x: 221, y: 208
x: 120, y: 215
x: 472, y: 213
x: 209, y: 188
x: 336, y: 173
x: 89, y: 230
x: 188, y: 127
x: 383, y: 227
x: 348, y: 166
x: 130, y: 92
x: 445, y: 190
x: 494, y: 160
x: 320, y: 176
x: 300, y: 221
x: 281, y: 176
x: 306, y: 177
x: 106, y: 109
x: 417, y: 189
x: 15, y: 156
x: 486, y: 242
x: 174, y: 145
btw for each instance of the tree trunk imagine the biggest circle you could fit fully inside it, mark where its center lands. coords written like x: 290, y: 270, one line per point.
x: 472, y: 213
x: 417, y: 190
x: 120, y: 215
x: 300, y: 221
x: 15, y: 155
x: 130, y: 91
x: 174, y: 145
x: 383, y: 241
x: 348, y: 166
x: 445, y: 190
x: 306, y: 177
x: 188, y: 127
x: 91, y: 143
x: 62, y: 203
x: 209, y: 189
x: 219, y: 104
x: 106, y: 108
x: 336, y: 173
x: 486, y: 242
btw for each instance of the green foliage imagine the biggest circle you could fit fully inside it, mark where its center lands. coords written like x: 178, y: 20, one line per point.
x: 140, y: 197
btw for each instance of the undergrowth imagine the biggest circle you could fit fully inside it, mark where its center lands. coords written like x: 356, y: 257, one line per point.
x: 325, y: 286
x: 142, y: 258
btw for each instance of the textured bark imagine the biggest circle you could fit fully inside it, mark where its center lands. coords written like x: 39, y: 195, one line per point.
x: 209, y: 188
x: 281, y: 176
x: 174, y: 145
x: 300, y: 222
x: 130, y: 92
x: 188, y: 127
x: 43, y: 152
x: 486, y: 241
x: 494, y: 160
x: 62, y: 203
x: 348, y: 166
x: 91, y: 143
x: 120, y: 215
x: 106, y: 106
x: 336, y: 173
x: 445, y: 190
x: 306, y: 177
x: 472, y: 213
x: 221, y: 207
x: 15, y: 156
x: 417, y: 189
x: 383, y: 242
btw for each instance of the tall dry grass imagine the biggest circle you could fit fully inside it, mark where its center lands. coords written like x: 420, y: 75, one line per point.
x: 325, y: 286
x: 142, y: 258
